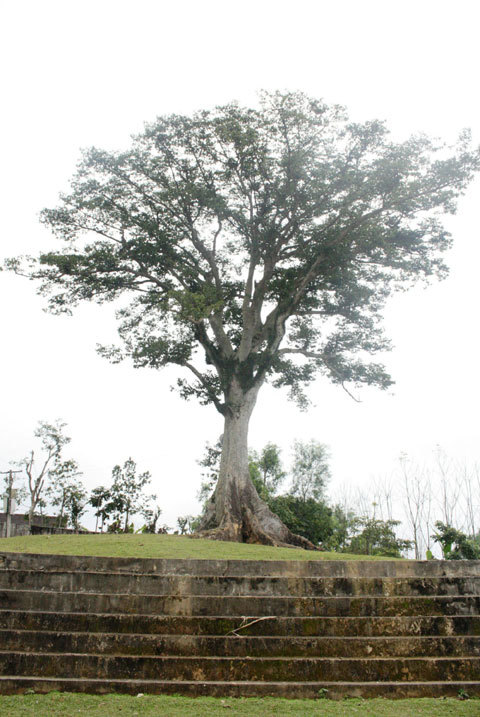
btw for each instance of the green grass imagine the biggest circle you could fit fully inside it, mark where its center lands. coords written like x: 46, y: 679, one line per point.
x: 66, y: 704
x: 161, y: 546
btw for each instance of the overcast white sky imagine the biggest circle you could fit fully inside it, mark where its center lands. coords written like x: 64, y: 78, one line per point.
x: 77, y: 73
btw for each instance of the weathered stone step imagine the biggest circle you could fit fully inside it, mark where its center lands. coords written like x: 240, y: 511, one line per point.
x: 293, y: 568
x: 462, y: 625
x: 235, y: 646
x: 307, y: 690
x: 277, y: 669
x: 95, y: 582
x: 238, y: 606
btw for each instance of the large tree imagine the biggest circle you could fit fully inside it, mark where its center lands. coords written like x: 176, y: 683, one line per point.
x: 256, y: 245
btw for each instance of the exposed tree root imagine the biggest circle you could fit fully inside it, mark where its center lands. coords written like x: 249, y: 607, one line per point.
x: 248, y: 519
x: 236, y: 533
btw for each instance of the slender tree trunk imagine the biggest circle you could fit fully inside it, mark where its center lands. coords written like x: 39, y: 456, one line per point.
x: 62, y: 508
x: 33, y: 505
x: 235, y: 511
x: 415, y: 542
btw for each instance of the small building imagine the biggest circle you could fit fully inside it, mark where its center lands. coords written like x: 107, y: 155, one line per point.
x: 42, y: 524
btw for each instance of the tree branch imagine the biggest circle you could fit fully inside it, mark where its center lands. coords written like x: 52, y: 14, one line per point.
x: 321, y: 357
x: 201, y: 378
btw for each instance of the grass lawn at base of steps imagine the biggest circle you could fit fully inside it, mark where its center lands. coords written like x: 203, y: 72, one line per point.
x: 68, y: 704
x: 161, y: 546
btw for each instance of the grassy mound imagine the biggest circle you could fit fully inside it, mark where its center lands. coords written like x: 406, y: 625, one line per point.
x: 56, y: 704
x: 160, y: 546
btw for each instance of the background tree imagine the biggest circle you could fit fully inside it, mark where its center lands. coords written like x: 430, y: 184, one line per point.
x: 313, y: 519
x: 182, y: 522
x: 342, y: 522
x: 449, y: 489
x: 310, y: 471
x: 64, y: 479
x: 267, y: 466
x: 99, y: 499
x: 471, y: 497
x: 376, y: 537
x: 187, y: 524
x: 417, y: 493
x: 151, y: 516
x: 16, y: 490
x: 75, y: 505
x: 126, y: 493
x: 39, y: 468
x: 210, y: 463
x: 383, y: 492
x: 455, y: 544
x: 256, y: 244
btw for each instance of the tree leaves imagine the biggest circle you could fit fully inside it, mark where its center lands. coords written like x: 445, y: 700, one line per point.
x: 238, y: 233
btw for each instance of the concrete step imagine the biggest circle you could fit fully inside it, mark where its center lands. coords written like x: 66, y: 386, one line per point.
x: 462, y: 625
x: 238, y: 606
x: 231, y: 688
x: 222, y: 625
x: 304, y: 629
x: 287, y: 568
x: 272, y: 669
x: 67, y: 581
x: 235, y: 646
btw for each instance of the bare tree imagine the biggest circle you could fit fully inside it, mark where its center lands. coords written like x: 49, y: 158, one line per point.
x: 364, y: 503
x: 417, y: 501
x: 470, y: 497
x: 38, y: 468
x: 449, y: 489
x: 383, y: 494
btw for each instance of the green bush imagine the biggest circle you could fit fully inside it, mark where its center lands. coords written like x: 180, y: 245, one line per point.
x: 455, y: 544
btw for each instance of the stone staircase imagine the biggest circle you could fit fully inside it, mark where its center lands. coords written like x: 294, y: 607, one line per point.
x: 239, y: 628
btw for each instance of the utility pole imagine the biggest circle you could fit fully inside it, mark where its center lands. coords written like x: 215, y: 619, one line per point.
x: 9, y: 496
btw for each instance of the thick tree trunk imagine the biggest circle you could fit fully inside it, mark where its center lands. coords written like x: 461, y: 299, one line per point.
x: 235, y: 511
